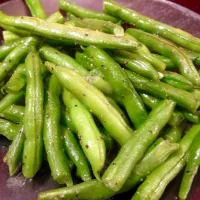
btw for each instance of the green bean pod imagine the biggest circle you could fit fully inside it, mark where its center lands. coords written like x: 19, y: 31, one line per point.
x: 97, y: 25
x: 76, y: 154
x: 89, y: 136
x: 5, y: 49
x: 94, y: 100
x: 191, y: 169
x: 177, y: 80
x: 150, y: 25
x: 162, y: 90
x: 13, y: 113
x: 33, y: 116
x: 153, y: 187
x: 152, y: 102
x: 168, y: 62
x: 63, y: 33
x: 36, y: 8
x: 8, y: 129
x: 56, y: 17
x: 133, y: 150
x: 120, y: 83
x: 194, y: 118
x: 174, y: 134
x: 10, y: 99
x: 14, y: 155
x: 136, y: 64
x: 84, y: 12
x: 15, y: 56
x: 53, y: 55
x: 168, y: 49
x: 52, y: 134
x: 9, y: 36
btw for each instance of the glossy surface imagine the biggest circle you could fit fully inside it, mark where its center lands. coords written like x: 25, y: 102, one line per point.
x: 18, y: 188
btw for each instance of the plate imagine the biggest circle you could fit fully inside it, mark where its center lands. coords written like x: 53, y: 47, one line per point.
x: 19, y: 188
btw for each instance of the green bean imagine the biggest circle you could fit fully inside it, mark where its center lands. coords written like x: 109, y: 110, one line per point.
x: 84, y: 12
x: 70, y: 16
x: 194, y: 118
x: 75, y: 35
x: 56, y: 17
x: 33, y: 116
x: 191, y: 169
x: 17, y: 81
x: 36, y: 8
x: 10, y: 99
x: 168, y: 49
x: 66, y: 120
x: 8, y: 128
x: 13, y: 113
x: 89, y: 136
x: 120, y: 83
x: 152, y: 102
x: 5, y: 49
x: 76, y: 154
x: 162, y: 150
x: 14, y: 155
x: 155, y: 184
x: 100, y: 191
x: 177, y: 80
x: 132, y: 151
x: 52, y: 134
x: 168, y: 62
x: 162, y: 90
x: 136, y: 64
x: 194, y: 56
x: 174, y: 134
x: 53, y: 55
x: 176, y: 35
x: 9, y: 36
x: 97, y: 25
x: 94, y: 100
x: 15, y: 56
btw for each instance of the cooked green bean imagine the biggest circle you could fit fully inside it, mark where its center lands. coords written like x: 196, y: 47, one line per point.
x: 152, y: 102
x: 9, y: 36
x: 97, y: 25
x: 14, y: 155
x: 10, y: 99
x: 15, y: 56
x: 156, y: 182
x: 76, y: 154
x: 84, y: 12
x: 36, y: 8
x: 191, y: 169
x: 13, y: 113
x: 150, y: 25
x: 70, y: 34
x: 174, y: 134
x: 168, y: 62
x: 136, y: 63
x: 132, y: 151
x: 90, y: 138
x: 168, y: 49
x: 56, y: 17
x: 162, y: 90
x: 94, y: 100
x: 33, y: 116
x: 8, y: 129
x: 120, y: 83
x: 52, y: 134
x: 194, y: 118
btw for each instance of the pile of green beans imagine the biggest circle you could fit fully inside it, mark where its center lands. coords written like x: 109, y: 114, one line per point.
x: 102, y: 105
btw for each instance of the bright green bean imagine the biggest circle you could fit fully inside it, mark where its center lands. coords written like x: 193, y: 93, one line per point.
x: 150, y: 25
x: 174, y: 134
x: 168, y: 62
x: 52, y: 134
x: 33, y: 116
x: 94, y: 100
x: 168, y: 49
x: 14, y: 155
x: 9, y: 36
x: 132, y: 151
